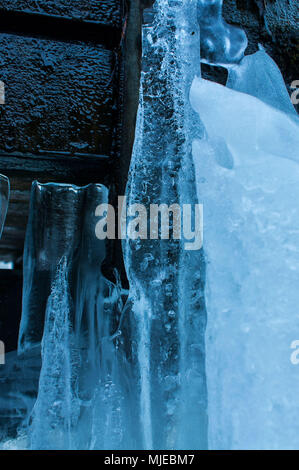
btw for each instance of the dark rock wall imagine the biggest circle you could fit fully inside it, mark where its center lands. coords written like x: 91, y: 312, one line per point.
x: 104, y: 11
x: 63, y: 66
x: 10, y: 301
x: 61, y: 62
x: 59, y: 96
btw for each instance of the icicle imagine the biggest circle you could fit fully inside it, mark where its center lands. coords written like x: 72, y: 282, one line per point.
x: 56, y: 409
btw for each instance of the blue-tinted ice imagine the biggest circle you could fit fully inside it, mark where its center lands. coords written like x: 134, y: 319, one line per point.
x: 251, y: 240
x: 221, y: 43
x: 149, y: 375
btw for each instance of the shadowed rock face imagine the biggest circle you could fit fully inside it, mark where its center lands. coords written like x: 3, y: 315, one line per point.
x: 59, y: 96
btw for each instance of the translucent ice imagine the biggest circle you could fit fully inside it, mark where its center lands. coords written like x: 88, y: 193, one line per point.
x: 57, y: 408
x: 75, y: 310
x: 4, y: 198
x: 258, y: 75
x: 164, y: 319
x: 221, y: 43
x: 248, y: 180
x: 61, y: 223
x: 249, y: 127
x: 138, y: 380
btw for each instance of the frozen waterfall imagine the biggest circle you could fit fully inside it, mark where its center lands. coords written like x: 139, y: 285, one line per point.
x: 197, y: 355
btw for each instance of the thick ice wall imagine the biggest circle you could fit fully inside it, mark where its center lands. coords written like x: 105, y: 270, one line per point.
x: 247, y: 178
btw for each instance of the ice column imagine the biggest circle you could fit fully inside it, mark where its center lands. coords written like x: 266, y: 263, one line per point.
x: 75, y: 310
x: 61, y: 224
x: 164, y: 321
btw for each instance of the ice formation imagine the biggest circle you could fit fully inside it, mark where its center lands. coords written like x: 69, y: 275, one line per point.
x: 254, y: 118
x: 61, y: 224
x: 148, y: 375
x: 165, y: 313
x: 4, y: 199
x: 247, y: 178
x: 74, y: 309
x: 258, y: 75
x: 57, y: 408
x: 221, y: 43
